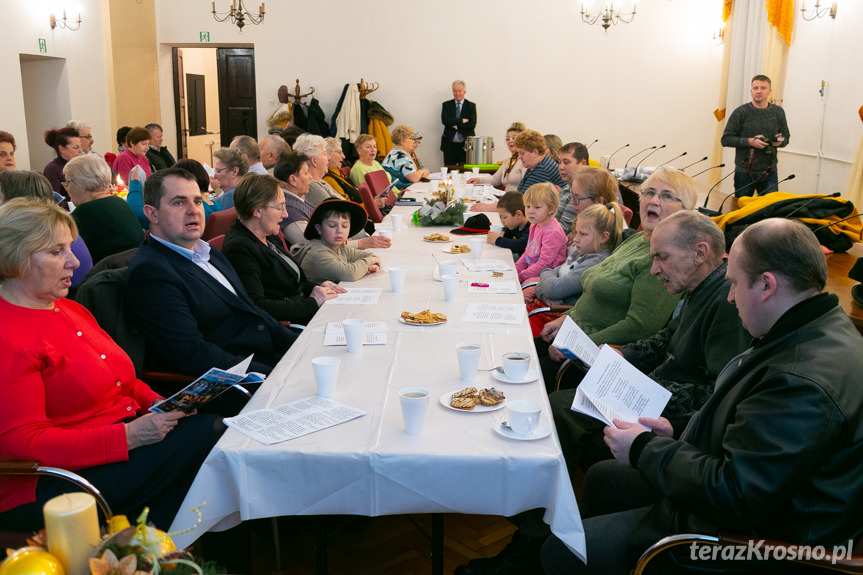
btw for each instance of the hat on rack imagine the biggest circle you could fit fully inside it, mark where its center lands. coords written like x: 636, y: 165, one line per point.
x: 478, y: 224
x: 357, y: 212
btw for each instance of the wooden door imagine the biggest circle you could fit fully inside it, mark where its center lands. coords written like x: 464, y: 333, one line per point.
x: 180, y: 114
x: 237, y: 103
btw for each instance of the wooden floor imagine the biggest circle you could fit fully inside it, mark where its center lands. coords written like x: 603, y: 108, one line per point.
x: 398, y: 544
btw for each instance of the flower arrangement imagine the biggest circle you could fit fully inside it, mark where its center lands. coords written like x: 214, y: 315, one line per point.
x: 437, y: 213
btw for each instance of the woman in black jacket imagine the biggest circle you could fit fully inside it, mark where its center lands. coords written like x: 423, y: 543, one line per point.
x: 271, y: 278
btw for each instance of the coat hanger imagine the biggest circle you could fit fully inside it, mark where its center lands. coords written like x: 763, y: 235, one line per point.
x: 366, y: 88
x: 297, y: 97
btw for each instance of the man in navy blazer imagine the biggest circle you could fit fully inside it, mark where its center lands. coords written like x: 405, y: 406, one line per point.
x: 458, y: 117
x: 186, y: 299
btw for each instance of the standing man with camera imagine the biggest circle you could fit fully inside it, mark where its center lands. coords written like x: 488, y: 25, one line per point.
x: 756, y: 129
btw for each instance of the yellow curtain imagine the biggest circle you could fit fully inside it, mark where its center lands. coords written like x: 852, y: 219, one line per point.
x: 780, y: 13
x: 726, y: 11
x: 775, y: 62
x: 855, y: 185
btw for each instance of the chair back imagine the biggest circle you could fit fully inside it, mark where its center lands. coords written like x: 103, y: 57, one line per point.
x: 346, y: 172
x: 216, y: 242
x: 377, y: 181
x: 627, y: 214
x: 369, y: 203
x: 218, y: 223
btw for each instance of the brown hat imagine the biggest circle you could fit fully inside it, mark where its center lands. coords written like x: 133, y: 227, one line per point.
x: 357, y: 213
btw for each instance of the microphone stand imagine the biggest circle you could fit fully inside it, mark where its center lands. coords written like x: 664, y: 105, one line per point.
x: 672, y: 159
x: 708, y: 169
x: 608, y: 165
x: 693, y: 163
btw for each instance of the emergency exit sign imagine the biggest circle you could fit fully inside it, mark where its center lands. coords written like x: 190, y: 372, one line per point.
x: 204, y: 36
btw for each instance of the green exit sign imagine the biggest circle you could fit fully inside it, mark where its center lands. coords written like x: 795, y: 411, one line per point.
x: 204, y: 36
x: 43, y: 46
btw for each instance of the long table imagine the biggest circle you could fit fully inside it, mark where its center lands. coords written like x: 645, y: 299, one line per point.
x: 370, y: 466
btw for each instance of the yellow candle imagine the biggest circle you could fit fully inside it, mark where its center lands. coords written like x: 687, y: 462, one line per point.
x: 72, y: 530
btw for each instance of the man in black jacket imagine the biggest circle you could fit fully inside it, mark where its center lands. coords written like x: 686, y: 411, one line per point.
x: 158, y: 155
x: 458, y: 117
x: 774, y: 453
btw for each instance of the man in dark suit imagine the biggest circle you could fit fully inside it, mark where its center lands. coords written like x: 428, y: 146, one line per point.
x: 458, y: 117
x: 186, y: 299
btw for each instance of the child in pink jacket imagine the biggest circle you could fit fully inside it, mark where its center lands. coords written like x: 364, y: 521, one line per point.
x: 546, y: 244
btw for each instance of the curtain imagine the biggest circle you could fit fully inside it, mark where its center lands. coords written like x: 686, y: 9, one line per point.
x: 780, y: 13
x: 855, y: 184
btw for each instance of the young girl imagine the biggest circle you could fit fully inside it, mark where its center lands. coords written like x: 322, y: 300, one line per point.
x: 546, y: 244
x: 596, y: 233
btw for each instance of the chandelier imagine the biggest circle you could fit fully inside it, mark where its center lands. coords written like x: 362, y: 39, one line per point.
x: 607, y: 17
x: 817, y: 12
x: 238, y: 14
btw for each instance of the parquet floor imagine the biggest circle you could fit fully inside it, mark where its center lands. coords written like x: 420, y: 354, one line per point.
x: 398, y: 545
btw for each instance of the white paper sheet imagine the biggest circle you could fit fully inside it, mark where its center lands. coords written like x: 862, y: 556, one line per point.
x: 374, y: 333
x: 494, y: 287
x: 486, y: 265
x: 501, y: 313
x: 615, y: 389
x: 295, y: 419
x: 357, y: 296
x: 574, y: 343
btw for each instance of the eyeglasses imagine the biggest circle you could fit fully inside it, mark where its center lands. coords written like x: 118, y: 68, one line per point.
x: 66, y: 184
x: 280, y: 207
x: 220, y: 170
x: 665, y: 197
x: 575, y: 199
x: 510, y: 138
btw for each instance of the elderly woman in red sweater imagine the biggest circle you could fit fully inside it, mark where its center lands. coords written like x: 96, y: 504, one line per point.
x: 70, y: 397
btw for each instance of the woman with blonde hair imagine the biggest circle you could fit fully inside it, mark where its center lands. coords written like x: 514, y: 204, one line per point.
x: 367, y: 148
x: 400, y: 162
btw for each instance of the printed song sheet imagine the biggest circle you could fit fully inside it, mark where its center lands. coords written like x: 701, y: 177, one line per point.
x: 502, y: 313
x: 357, y: 296
x: 574, y: 343
x: 486, y: 265
x: 295, y: 419
x: 614, y: 389
x: 374, y: 333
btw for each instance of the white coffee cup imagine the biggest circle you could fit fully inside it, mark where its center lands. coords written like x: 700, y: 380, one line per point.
x: 447, y: 268
x: 468, y: 360
x: 497, y: 228
x: 524, y: 416
x: 415, y: 402
x: 397, y: 279
x: 450, y: 287
x: 354, y: 334
x: 443, y: 171
x: 475, y: 172
x: 516, y: 364
x: 326, y: 370
x: 476, y: 247
x: 385, y: 233
x: 397, y: 222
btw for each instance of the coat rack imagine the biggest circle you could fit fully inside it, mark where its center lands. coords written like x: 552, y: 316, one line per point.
x: 297, y: 97
x: 366, y: 88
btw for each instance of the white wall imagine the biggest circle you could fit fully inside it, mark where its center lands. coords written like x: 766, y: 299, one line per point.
x: 651, y: 82
x: 21, y: 25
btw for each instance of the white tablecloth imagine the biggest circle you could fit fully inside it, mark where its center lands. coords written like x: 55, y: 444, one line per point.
x: 370, y: 466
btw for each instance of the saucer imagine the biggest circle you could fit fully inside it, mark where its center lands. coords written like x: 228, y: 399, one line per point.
x: 531, y: 375
x: 542, y: 430
x: 436, y: 276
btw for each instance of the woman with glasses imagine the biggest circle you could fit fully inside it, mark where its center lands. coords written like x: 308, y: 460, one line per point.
x: 105, y: 221
x: 67, y: 145
x: 622, y: 301
x: 511, y: 171
x: 271, y: 278
x: 229, y: 166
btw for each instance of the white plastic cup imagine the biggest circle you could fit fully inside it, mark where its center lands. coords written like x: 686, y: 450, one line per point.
x: 450, y: 287
x: 397, y: 222
x: 385, y: 233
x: 475, y: 172
x: 476, y: 247
x: 415, y: 402
x: 448, y: 268
x: 468, y: 360
x: 524, y: 416
x: 354, y: 334
x: 443, y: 171
x: 497, y: 228
x: 516, y: 364
x: 397, y: 279
x: 326, y: 370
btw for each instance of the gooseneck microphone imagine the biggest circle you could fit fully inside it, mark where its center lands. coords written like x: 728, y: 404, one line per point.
x: 810, y: 200
x: 704, y: 209
x: 626, y: 165
x: 751, y: 184
x: 675, y: 158
x: 592, y: 143
x: 608, y: 165
x: 704, y: 159
x: 708, y: 169
x: 644, y: 158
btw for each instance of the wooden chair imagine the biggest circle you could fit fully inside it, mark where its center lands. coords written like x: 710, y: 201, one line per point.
x: 369, y: 203
x: 218, y: 223
x: 851, y: 564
